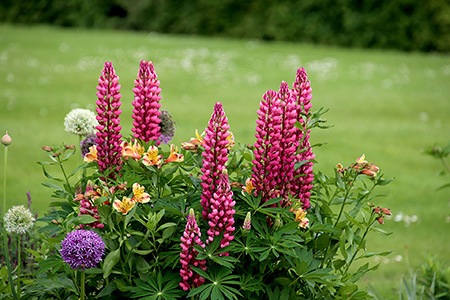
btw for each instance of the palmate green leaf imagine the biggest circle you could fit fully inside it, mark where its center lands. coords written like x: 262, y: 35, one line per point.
x: 219, y: 285
x: 158, y: 287
x: 225, y: 261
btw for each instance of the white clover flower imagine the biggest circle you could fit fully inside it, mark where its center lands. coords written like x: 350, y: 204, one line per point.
x: 18, y: 219
x: 80, y: 121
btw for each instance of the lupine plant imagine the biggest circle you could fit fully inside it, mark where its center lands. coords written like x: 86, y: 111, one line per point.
x: 212, y: 219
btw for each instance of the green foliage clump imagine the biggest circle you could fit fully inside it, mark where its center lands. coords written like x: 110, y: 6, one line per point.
x: 401, y: 24
x: 274, y: 256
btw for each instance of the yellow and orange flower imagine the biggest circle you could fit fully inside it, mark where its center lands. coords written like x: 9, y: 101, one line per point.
x: 194, y: 143
x: 134, y: 150
x: 249, y: 187
x: 300, y: 217
x: 91, y: 155
x: 366, y: 168
x: 152, y: 157
x: 139, y: 194
x: 124, y: 206
x: 174, y: 156
x: 230, y: 139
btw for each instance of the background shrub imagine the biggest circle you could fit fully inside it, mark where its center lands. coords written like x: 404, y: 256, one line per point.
x: 399, y: 24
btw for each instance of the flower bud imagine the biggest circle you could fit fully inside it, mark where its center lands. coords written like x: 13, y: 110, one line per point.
x: 6, y: 139
x: 247, y: 222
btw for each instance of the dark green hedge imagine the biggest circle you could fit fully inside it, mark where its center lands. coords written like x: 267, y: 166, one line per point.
x: 410, y: 25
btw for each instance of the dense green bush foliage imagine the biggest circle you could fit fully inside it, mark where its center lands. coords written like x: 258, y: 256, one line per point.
x: 400, y: 24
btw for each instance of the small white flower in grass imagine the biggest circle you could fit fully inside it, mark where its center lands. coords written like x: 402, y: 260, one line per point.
x: 80, y: 121
x: 18, y: 219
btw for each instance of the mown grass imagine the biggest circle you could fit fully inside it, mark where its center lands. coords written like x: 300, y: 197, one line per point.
x: 388, y: 105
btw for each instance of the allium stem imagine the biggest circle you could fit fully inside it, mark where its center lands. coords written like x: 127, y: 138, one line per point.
x: 5, y: 162
x: 8, y: 263
x: 82, y: 285
x: 19, y: 258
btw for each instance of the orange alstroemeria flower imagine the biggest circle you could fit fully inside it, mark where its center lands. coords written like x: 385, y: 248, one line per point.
x: 124, y: 206
x: 300, y: 216
x: 134, y: 150
x: 230, y: 139
x: 249, y: 187
x: 152, y: 157
x: 91, y: 155
x: 194, y: 143
x: 366, y: 168
x: 174, y: 156
x: 139, y: 194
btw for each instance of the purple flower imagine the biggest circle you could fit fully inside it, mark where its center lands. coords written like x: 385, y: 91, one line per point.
x: 146, y: 114
x: 88, y: 142
x: 191, y: 238
x: 215, y: 156
x: 267, y: 151
x: 108, y: 140
x: 221, y: 216
x: 82, y: 249
x: 167, y: 127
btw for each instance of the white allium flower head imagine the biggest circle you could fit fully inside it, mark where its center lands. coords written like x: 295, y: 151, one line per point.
x: 80, y: 121
x: 18, y: 219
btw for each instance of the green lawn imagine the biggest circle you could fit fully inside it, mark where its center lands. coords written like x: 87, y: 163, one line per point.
x: 388, y: 105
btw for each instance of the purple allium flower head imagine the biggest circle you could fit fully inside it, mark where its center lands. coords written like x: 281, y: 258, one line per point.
x: 221, y: 216
x: 82, y: 249
x: 191, y: 238
x: 86, y: 143
x: 305, y: 175
x: 146, y: 114
x: 266, y: 162
x: 167, y: 127
x: 108, y: 138
x: 215, y: 156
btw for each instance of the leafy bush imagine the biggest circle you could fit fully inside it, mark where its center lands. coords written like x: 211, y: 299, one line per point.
x: 215, y: 220
x: 401, y: 24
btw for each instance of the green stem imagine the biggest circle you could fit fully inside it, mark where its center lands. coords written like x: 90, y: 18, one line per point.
x: 5, y: 159
x: 82, y: 283
x: 360, y: 243
x: 345, y: 200
x: 8, y: 264
x: 64, y: 174
x: 19, y: 258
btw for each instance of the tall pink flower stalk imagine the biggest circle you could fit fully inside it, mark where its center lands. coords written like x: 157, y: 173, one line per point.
x: 108, y: 137
x: 215, y: 156
x: 267, y: 151
x: 280, y: 145
x: 288, y: 141
x: 304, y: 174
x: 188, y: 254
x: 221, y: 217
x: 146, y: 112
